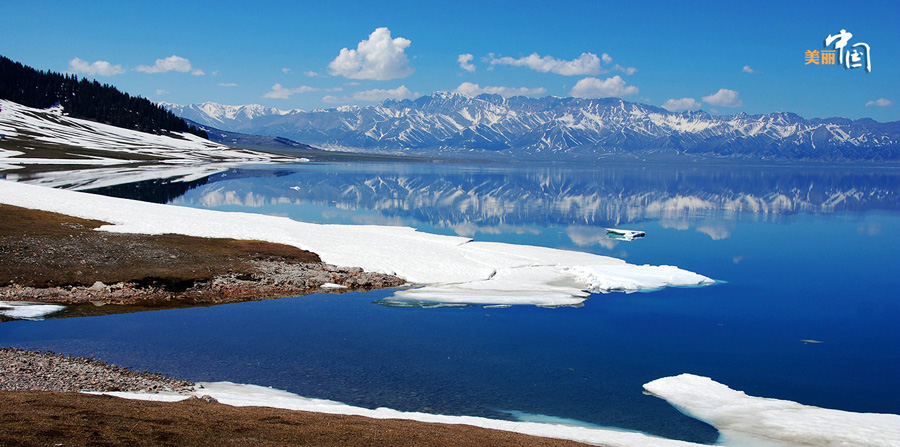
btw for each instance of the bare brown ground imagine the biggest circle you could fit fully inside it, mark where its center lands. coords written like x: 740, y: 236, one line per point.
x: 41, y: 418
x: 54, y: 258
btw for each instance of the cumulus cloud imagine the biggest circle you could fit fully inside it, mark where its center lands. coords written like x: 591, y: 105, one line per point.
x: 286, y: 70
x: 724, y: 98
x: 470, y: 89
x: 310, y: 73
x: 227, y: 84
x: 880, y: 102
x: 586, y: 64
x: 279, y: 92
x: 171, y: 63
x: 626, y: 70
x: 379, y: 57
x: 160, y: 91
x: 96, y: 68
x: 596, y: 88
x: 374, y: 95
x: 678, y: 105
x: 747, y: 69
x: 464, y: 62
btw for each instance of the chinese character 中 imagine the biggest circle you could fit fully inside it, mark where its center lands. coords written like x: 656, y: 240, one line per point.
x: 842, y: 38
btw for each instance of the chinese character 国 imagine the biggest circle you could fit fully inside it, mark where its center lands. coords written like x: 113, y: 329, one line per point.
x: 849, y: 59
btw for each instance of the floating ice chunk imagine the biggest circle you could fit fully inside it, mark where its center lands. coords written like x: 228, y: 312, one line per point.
x: 749, y: 420
x: 632, y: 278
x: 628, y: 235
x: 24, y: 310
x: 331, y: 285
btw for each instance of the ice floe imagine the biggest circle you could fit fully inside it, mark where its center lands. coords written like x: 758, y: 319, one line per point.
x: 23, y: 310
x: 744, y: 420
x: 442, y: 268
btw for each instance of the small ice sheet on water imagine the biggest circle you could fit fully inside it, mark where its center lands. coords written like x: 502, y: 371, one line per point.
x: 746, y: 420
x: 24, y: 310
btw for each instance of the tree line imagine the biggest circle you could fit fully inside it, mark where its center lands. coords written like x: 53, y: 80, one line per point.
x: 86, y: 99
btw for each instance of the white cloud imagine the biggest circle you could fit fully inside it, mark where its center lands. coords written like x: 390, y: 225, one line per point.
x: 626, y: 70
x: 96, y: 68
x: 677, y: 105
x: 310, y: 73
x: 747, y: 69
x: 279, y: 92
x: 880, y: 102
x: 171, y: 63
x: 470, y: 89
x: 724, y: 98
x: 160, y: 91
x: 606, y: 58
x: 379, y: 57
x: 464, y: 62
x: 595, y: 88
x: 586, y: 64
x: 374, y: 95
x: 227, y: 84
x: 286, y: 70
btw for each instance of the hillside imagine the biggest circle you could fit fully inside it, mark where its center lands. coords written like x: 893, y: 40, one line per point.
x: 46, y: 146
x: 87, y: 100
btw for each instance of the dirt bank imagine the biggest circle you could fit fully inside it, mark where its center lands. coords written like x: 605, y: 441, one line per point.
x: 54, y: 258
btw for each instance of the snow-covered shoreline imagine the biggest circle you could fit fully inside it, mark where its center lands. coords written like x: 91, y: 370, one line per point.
x: 444, y: 268
x: 742, y: 420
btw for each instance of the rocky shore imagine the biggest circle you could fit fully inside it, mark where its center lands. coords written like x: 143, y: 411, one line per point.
x: 267, y: 279
x: 22, y: 370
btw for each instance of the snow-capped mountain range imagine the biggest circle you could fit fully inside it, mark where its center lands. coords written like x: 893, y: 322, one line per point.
x: 551, y: 127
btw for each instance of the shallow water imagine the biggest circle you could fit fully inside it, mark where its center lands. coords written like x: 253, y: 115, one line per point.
x: 805, y: 310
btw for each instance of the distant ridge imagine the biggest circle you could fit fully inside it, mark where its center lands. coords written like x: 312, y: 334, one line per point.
x: 87, y: 100
x: 452, y: 124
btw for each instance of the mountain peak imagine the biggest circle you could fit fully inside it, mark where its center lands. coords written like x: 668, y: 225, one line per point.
x: 449, y: 122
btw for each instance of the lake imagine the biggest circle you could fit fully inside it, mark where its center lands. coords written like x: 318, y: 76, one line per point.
x: 804, y: 310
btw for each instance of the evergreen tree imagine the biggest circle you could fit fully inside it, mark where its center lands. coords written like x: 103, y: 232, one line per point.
x: 86, y: 99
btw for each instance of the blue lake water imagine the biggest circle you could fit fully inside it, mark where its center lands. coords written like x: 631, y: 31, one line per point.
x: 805, y: 310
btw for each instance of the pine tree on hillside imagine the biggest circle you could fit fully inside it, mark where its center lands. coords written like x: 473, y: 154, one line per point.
x: 86, y: 99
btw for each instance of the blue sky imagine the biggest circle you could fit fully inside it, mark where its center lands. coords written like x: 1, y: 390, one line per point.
x: 722, y: 57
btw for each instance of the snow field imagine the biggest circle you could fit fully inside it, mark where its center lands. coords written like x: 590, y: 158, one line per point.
x: 447, y: 268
